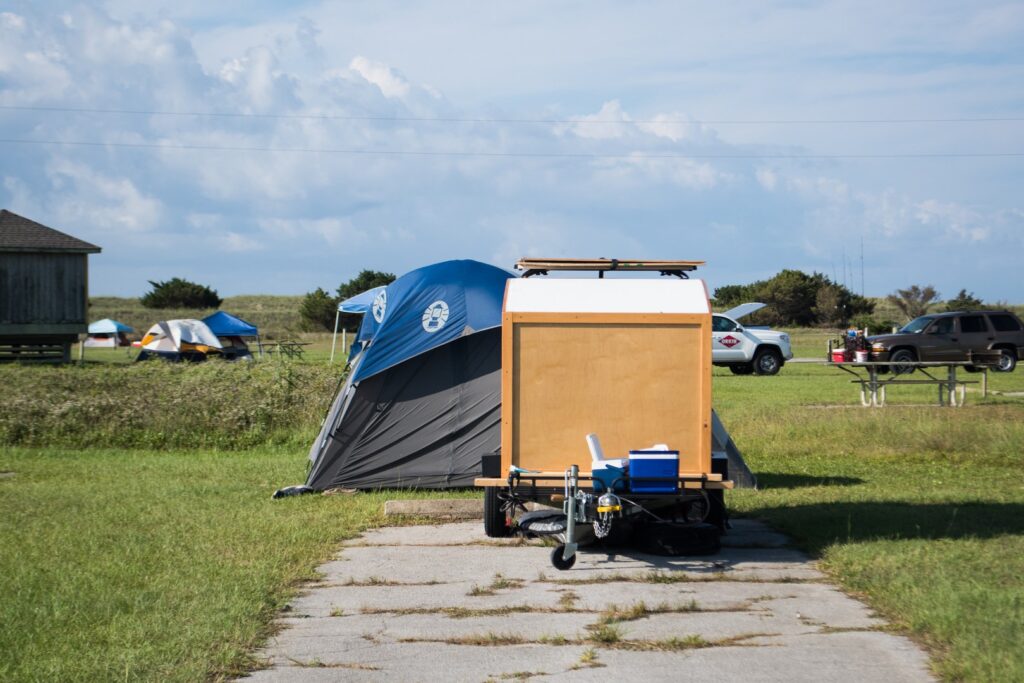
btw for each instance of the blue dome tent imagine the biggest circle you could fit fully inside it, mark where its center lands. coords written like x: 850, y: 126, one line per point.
x: 422, y: 401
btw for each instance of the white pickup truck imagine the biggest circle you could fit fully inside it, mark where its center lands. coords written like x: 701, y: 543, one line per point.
x: 747, y: 350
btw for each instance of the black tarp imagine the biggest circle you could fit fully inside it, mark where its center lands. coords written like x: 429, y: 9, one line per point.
x: 424, y: 423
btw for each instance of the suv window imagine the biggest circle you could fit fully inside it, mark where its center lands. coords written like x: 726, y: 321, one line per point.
x: 972, y: 323
x: 720, y: 324
x: 942, y: 326
x: 1004, y: 323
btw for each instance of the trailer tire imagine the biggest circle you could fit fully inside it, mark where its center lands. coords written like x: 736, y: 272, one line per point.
x: 558, y: 560
x: 495, y: 521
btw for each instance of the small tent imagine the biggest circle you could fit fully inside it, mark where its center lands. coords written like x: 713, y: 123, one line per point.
x: 422, y: 401
x: 178, y: 340
x: 108, y: 334
x: 231, y: 331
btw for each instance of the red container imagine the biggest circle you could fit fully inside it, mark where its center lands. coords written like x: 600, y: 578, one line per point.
x: 838, y: 356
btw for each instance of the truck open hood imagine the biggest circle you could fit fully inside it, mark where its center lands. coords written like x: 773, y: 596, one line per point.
x: 743, y: 309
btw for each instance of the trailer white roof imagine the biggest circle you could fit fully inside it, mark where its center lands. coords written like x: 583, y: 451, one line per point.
x: 543, y: 295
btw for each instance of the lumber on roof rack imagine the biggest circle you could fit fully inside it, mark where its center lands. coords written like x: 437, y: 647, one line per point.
x: 541, y: 266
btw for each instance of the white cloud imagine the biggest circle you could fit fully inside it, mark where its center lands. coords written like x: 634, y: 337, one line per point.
x: 767, y: 178
x: 390, y: 82
x: 106, y: 203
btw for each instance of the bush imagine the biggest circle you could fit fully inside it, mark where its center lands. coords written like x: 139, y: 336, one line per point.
x: 796, y: 298
x: 165, y: 405
x: 178, y: 293
x: 318, y: 311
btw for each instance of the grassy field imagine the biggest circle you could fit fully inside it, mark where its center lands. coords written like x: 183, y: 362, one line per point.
x: 168, y: 563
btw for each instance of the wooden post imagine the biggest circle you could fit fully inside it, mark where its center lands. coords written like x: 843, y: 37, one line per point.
x: 984, y: 382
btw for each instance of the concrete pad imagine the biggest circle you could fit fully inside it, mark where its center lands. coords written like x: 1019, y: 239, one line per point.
x: 399, y: 599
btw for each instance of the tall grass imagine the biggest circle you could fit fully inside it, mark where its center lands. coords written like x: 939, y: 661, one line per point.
x: 164, y: 405
x: 277, y: 317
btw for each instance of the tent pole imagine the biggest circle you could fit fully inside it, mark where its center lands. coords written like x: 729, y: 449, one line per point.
x: 334, y: 339
x: 344, y: 339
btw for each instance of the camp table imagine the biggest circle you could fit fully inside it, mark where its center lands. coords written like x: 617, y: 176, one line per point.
x: 291, y: 349
x: 872, y: 387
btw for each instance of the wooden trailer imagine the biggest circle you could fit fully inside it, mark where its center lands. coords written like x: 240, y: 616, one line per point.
x: 628, y: 359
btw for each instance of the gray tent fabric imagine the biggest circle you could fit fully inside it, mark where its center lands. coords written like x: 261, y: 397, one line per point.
x: 424, y: 423
x: 739, y: 472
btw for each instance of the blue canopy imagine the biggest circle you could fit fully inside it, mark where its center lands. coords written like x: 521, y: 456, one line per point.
x: 108, y: 326
x: 360, y: 303
x: 226, y: 325
x: 427, y: 308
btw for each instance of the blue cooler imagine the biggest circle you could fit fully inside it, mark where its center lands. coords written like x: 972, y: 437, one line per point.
x: 650, y: 464
x: 606, y: 472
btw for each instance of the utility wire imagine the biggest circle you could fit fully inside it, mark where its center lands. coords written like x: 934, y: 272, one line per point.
x: 538, y: 155
x: 450, y: 119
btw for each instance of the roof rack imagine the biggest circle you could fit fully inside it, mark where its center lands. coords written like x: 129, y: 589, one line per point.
x: 541, y: 266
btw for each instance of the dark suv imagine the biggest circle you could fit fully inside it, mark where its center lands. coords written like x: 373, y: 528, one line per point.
x: 953, y: 336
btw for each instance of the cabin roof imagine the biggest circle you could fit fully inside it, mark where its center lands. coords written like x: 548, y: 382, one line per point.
x: 18, y: 233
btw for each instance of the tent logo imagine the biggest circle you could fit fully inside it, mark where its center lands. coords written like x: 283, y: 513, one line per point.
x: 435, y: 316
x: 380, y: 304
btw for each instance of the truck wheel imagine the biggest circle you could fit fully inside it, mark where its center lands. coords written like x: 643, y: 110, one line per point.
x: 899, y: 362
x: 495, y: 522
x: 742, y: 369
x: 767, y: 362
x: 1007, y: 361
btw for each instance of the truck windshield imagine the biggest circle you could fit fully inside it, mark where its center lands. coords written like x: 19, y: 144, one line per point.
x: 918, y: 324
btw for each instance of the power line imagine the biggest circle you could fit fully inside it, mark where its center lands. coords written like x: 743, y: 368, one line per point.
x: 538, y: 155
x: 555, y: 121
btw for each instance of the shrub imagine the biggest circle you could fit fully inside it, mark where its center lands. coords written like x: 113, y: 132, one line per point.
x: 165, y: 405
x: 178, y: 293
x: 318, y: 310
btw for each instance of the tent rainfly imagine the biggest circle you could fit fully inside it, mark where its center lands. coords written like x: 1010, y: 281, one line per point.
x: 422, y: 402
x: 178, y: 340
x: 108, y: 334
x: 231, y: 330
x: 358, y: 304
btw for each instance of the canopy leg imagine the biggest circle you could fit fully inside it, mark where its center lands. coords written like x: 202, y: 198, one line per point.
x: 334, y: 339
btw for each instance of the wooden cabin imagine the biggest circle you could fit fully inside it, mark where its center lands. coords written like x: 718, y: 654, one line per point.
x: 44, y: 290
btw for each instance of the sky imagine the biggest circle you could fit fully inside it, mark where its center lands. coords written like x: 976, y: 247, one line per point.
x: 264, y: 147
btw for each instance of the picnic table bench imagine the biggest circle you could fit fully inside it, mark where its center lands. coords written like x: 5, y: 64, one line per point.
x: 288, y: 348
x: 872, y: 386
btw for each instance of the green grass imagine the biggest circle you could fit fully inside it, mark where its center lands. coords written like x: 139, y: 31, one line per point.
x: 917, y: 509
x: 169, y: 566
x: 166, y: 405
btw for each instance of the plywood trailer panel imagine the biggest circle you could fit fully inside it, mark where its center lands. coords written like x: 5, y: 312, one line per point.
x: 634, y: 379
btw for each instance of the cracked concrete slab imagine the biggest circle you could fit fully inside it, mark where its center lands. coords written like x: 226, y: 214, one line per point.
x: 423, y: 603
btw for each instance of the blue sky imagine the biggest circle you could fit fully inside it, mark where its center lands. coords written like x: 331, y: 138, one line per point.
x: 753, y: 135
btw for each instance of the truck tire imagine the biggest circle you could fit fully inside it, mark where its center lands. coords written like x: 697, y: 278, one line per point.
x: 767, y: 361
x: 1007, y: 361
x: 742, y: 369
x: 898, y: 361
x: 495, y: 522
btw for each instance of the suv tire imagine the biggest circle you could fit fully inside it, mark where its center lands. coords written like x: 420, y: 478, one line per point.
x: 898, y: 360
x: 742, y: 369
x: 767, y: 362
x: 1007, y: 361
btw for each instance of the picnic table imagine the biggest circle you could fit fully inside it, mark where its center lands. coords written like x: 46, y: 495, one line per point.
x: 872, y: 386
x: 288, y: 348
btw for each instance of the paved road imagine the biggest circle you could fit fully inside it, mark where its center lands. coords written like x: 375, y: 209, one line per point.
x: 445, y: 603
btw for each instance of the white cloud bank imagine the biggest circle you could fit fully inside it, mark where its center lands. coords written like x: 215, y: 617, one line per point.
x: 608, y: 179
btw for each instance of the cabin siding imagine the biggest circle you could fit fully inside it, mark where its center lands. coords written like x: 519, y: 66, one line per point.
x: 43, y: 289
